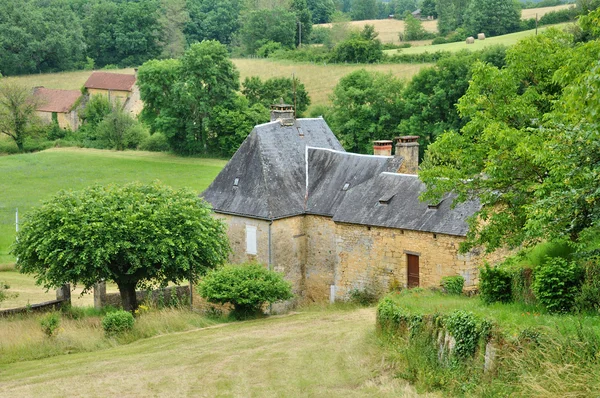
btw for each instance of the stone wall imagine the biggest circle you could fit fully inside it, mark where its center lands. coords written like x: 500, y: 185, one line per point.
x: 236, y: 232
x: 156, y: 297
x: 288, y: 251
x: 321, y: 257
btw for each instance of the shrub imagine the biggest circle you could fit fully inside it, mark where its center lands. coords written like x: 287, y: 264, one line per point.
x: 439, y: 40
x: 453, y: 284
x: 247, y: 287
x: 117, y: 322
x: 156, y: 142
x: 50, y: 323
x: 364, y: 297
x: 494, y: 285
x: 268, y: 48
x: 589, y: 297
x: 556, y: 284
x: 464, y: 328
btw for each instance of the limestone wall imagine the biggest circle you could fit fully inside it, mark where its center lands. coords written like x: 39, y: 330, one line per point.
x: 376, y: 258
x: 321, y: 257
x: 288, y: 250
x: 236, y: 232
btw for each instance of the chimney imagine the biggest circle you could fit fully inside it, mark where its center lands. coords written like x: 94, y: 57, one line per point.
x: 382, y: 147
x: 408, y: 148
x: 283, y: 112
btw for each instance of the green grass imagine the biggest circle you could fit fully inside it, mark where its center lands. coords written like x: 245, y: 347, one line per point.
x: 506, y: 40
x: 29, y: 179
x: 313, y: 354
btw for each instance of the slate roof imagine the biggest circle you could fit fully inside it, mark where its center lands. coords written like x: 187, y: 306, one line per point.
x: 52, y: 100
x: 110, y: 81
x: 403, y: 209
x: 329, y: 171
x: 267, y: 179
x: 271, y: 170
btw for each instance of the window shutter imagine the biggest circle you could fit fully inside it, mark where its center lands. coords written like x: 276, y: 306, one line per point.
x: 250, y: 239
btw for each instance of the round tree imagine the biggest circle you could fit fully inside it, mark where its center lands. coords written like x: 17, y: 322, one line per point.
x: 135, y: 235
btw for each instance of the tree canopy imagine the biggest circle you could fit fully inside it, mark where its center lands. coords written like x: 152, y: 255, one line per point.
x: 17, y: 112
x: 136, y: 236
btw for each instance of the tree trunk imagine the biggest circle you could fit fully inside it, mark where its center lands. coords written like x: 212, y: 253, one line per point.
x: 128, y: 297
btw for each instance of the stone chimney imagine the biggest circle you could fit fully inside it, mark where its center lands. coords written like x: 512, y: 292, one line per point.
x: 408, y: 148
x: 382, y: 147
x: 283, y: 112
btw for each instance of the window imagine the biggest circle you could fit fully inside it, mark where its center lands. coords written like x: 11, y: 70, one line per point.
x: 250, y: 239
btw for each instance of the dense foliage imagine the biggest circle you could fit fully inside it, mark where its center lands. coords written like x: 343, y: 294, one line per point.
x: 557, y: 283
x: 248, y: 287
x: 117, y: 322
x: 453, y: 284
x: 17, y: 112
x: 270, y: 91
x: 133, y: 235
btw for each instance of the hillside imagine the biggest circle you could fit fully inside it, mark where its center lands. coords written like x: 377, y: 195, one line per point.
x: 389, y: 29
x: 312, y: 354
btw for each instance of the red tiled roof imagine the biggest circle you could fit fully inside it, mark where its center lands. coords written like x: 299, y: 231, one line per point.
x: 110, y: 81
x: 52, y: 100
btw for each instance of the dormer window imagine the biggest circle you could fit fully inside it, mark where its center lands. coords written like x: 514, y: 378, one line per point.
x: 385, y: 199
x: 236, y: 182
x: 346, y: 186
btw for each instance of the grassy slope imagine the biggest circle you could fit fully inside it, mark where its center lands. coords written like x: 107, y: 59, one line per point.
x: 389, y: 29
x: 31, y: 178
x: 314, y: 354
x: 507, y: 40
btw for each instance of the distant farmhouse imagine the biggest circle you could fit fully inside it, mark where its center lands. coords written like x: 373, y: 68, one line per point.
x: 116, y: 87
x: 59, y: 106
x: 333, y: 221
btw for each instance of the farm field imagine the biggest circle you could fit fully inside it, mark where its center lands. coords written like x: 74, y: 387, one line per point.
x: 506, y: 40
x: 389, y: 29
x: 329, y: 353
x: 319, y: 79
x: 29, y: 179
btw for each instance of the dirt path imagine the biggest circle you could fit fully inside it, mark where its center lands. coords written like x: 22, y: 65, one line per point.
x: 314, y: 354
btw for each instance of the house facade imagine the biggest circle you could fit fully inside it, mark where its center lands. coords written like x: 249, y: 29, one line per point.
x: 333, y: 221
x: 58, y: 105
x: 117, y: 87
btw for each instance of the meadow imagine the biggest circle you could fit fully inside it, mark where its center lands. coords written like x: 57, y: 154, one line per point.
x: 389, y: 29
x: 506, y: 40
x: 29, y: 179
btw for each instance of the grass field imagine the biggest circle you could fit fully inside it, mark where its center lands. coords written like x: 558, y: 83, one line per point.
x: 389, y: 29
x: 31, y: 178
x: 506, y: 40
x: 311, y: 354
x: 318, y: 79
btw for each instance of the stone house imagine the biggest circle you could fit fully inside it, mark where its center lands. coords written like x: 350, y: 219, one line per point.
x: 333, y: 221
x: 116, y: 87
x: 58, y: 105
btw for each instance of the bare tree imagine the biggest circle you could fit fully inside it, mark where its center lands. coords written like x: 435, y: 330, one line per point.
x: 17, y: 111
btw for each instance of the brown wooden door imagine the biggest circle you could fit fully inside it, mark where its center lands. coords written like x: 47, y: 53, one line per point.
x: 413, y: 270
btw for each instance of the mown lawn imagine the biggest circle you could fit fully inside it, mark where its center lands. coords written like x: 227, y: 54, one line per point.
x: 328, y: 353
x: 27, y: 180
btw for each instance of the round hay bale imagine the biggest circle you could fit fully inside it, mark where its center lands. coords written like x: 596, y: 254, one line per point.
x: 470, y: 40
x: 481, y: 36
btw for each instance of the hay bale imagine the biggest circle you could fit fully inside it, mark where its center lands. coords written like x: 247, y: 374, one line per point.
x: 470, y: 40
x: 481, y: 36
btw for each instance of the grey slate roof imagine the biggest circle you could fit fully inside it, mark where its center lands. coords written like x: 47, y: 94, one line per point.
x: 404, y: 210
x: 329, y: 171
x: 270, y: 166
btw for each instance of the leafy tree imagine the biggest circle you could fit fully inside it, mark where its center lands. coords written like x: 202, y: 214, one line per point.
x: 97, y: 107
x: 261, y: 26
x: 39, y: 36
x: 212, y: 20
x: 247, y: 287
x: 136, y: 236
x: 428, y: 8
x: 17, y: 112
x: 304, y: 18
x: 529, y: 152
x: 492, y: 17
x: 179, y: 95
x: 450, y: 14
x: 321, y: 10
x: 271, y: 90
x: 173, y: 19
x: 363, y: 9
x: 367, y: 106
x: 360, y: 48
x: 118, y: 130
x: 413, y: 29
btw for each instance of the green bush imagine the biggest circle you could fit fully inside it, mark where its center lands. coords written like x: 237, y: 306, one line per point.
x: 156, y: 142
x: 247, y: 287
x: 50, y: 323
x: 464, y: 328
x: 453, y: 284
x: 117, y: 322
x: 495, y: 285
x: 556, y: 284
x: 268, y: 48
x: 365, y: 297
x: 588, y: 298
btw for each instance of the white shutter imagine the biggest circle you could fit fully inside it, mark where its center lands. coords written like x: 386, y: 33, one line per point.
x: 250, y: 239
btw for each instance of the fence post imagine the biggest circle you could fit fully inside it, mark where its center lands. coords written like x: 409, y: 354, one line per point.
x: 63, y: 293
x: 99, y: 295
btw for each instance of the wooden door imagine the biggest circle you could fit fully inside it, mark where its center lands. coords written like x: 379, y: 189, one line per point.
x: 413, y: 270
